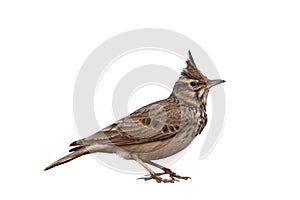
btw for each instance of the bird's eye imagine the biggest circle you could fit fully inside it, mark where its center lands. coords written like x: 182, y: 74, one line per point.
x: 193, y: 84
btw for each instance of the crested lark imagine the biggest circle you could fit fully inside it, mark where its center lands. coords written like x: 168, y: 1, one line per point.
x: 157, y: 130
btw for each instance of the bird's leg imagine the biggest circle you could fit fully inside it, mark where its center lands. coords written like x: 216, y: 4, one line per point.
x: 152, y: 174
x: 168, y: 171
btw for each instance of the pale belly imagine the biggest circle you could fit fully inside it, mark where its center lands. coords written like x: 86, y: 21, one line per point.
x: 168, y: 147
x: 160, y: 149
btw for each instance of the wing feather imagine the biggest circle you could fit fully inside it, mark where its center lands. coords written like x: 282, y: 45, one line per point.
x: 155, y: 121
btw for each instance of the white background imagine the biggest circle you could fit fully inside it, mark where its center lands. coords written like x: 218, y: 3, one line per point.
x: 255, y: 46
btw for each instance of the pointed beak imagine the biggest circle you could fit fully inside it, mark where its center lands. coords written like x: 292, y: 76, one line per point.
x: 212, y: 83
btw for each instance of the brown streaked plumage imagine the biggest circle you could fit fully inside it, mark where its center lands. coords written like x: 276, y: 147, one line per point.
x: 157, y: 130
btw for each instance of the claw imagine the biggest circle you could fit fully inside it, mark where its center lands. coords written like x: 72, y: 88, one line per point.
x: 157, y: 176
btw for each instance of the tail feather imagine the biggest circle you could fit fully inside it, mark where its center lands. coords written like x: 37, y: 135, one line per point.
x: 75, y: 148
x: 69, y: 157
x: 77, y: 142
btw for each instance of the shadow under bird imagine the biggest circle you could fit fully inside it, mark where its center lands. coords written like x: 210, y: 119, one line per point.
x: 155, y: 131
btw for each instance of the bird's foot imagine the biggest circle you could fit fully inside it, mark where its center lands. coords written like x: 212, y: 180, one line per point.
x: 175, y: 176
x: 172, y: 177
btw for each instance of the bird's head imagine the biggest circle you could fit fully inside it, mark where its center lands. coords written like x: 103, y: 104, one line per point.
x: 193, y: 86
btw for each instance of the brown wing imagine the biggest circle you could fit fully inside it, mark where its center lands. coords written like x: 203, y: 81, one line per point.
x: 155, y: 121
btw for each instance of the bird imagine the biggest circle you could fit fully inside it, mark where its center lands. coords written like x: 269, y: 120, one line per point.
x: 157, y: 130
